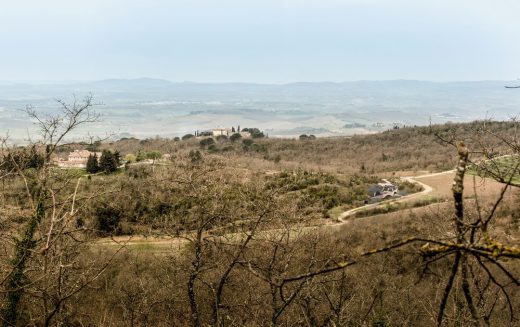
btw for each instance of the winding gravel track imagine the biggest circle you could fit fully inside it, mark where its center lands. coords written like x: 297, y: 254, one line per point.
x: 412, y: 179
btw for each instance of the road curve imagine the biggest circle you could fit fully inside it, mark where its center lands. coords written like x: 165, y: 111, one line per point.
x: 412, y: 179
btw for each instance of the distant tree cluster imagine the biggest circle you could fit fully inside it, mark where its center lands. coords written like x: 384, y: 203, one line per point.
x: 255, y: 132
x: 235, y: 137
x: 304, y: 137
x: 147, y: 155
x: 107, y: 163
x: 24, y: 158
x: 235, y: 134
x: 206, y: 142
x: 93, y: 147
x: 247, y: 142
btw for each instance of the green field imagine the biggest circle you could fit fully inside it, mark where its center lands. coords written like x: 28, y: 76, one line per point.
x: 505, y: 169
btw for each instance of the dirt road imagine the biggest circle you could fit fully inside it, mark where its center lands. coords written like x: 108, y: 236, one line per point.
x: 412, y: 179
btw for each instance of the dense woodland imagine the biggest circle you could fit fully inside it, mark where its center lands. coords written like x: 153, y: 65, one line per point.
x: 226, y: 233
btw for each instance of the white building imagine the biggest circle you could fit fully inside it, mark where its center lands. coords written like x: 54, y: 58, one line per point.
x: 222, y: 131
x: 77, y: 159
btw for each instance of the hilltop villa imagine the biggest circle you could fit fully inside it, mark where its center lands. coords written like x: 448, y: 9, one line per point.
x: 228, y: 132
x: 222, y: 131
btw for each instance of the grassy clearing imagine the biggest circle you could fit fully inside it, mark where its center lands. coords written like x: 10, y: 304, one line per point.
x: 502, y: 169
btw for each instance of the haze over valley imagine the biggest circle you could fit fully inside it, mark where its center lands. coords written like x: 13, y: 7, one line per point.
x: 144, y: 108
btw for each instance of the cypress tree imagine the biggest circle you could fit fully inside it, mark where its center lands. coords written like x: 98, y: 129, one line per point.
x: 107, y: 162
x: 92, y: 164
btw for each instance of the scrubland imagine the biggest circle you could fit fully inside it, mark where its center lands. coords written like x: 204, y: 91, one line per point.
x: 241, y: 235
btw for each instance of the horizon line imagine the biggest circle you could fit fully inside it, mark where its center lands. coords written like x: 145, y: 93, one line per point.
x: 69, y: 82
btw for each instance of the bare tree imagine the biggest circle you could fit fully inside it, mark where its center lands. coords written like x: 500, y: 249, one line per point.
x: 470, y: 246
x: 46, y: 254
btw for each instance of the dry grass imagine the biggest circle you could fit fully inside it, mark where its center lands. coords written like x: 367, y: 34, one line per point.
x: 484, y: 187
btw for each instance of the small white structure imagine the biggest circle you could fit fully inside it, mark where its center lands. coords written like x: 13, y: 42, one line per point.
x: 222, y: 131
x: 77, y: 159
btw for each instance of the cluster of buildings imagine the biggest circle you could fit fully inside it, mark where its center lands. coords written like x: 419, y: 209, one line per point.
x: 382, y: 191
x: 79, y: 158
x: 223, y: 131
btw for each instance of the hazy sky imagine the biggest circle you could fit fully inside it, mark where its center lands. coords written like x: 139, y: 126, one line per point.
x: 260, y: 41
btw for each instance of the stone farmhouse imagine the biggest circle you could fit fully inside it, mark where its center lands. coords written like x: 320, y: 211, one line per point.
x: 77, y: 159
